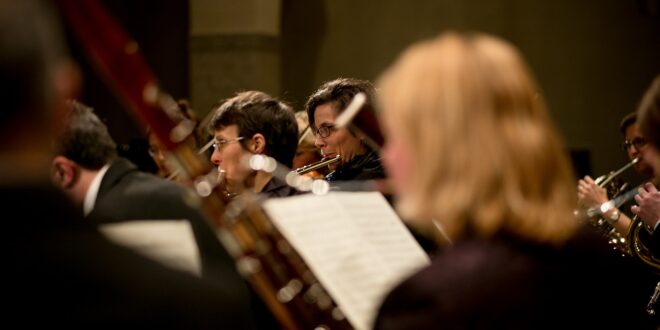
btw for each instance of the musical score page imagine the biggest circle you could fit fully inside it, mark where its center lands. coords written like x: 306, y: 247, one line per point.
x: 355, y: 244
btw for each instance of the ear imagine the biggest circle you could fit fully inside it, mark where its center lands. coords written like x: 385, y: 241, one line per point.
x: 258, y: 144
x: 64, y: 172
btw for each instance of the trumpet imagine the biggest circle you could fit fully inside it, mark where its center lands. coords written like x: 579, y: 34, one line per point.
x: 616, y: 190
x: 314, y: 166
x: 605, y: 179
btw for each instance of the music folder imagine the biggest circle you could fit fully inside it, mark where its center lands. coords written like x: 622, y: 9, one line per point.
x: 355, y: 244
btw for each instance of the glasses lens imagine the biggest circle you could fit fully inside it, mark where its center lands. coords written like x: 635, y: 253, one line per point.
x: 324, y: 131
x: 638, y: 142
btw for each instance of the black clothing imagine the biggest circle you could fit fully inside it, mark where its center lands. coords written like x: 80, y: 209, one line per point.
x: 127, y: 194
x: 62, y: 273
x: 363, y: 167
x: 278, y: 188
x: 506, y: 283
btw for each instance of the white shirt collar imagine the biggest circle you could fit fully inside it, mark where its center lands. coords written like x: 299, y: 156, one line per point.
x: 93, y: 191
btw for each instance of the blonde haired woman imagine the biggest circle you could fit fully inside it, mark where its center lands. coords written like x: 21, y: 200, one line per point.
x: 471, y: 148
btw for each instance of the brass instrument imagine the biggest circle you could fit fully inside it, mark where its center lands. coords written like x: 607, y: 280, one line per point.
x: 315, y: 166
x: 636, y: 237
x: 639, y: 233
x: 614, y: 187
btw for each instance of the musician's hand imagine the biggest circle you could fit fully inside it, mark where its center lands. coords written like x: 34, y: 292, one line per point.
x: 648, y: 204
x: 590, y: 194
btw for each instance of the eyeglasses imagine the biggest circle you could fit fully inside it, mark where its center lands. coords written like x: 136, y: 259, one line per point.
x: 638, y: 142
x: 219, y: 144
x: 325, y: 130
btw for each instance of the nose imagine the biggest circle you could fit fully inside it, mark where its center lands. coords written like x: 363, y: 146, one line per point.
x: 160, y: 156
x: 319, y: 142
x: 633, y: 151
x: 216, y: 157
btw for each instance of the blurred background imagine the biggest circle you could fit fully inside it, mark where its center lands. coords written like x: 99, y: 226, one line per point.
x: 593, y: 59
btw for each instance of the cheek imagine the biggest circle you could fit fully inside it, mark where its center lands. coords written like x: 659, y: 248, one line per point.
x: 398, y: 164
x: 231, y: 162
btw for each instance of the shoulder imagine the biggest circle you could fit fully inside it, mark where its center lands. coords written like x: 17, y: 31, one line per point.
x: 514, y: 284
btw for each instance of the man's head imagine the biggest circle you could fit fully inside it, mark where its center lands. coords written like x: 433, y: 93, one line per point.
x: 323, y: 107
x: 649, y: 123
x: 634, y: 143
x: 252, y: 122
x: 82, y: 146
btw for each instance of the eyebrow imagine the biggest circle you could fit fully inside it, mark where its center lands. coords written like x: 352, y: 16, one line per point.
x: 220, y: 137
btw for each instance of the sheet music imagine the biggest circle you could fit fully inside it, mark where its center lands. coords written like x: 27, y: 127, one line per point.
x: 355, y: 244
x: 170, y: 242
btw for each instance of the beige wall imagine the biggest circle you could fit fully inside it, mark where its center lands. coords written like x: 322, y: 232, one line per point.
x: 593, y: 58
x: 234, y: 45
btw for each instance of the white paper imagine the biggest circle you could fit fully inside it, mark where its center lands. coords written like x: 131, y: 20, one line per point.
x: 355, y: 244
x: 170, y: 242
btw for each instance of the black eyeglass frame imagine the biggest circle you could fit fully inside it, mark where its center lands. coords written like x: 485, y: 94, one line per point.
x: 638, y: 142
x: 325, y: 130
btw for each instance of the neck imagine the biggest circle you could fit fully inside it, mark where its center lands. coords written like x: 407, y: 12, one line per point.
x: 79, y: 189
x: 260, y: 181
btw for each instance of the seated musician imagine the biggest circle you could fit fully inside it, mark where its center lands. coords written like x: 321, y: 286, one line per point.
x: 358, y: 161
x: 590, y: 194
x: 253, y: 122
x: 470, y: 146
x: 110, y: 190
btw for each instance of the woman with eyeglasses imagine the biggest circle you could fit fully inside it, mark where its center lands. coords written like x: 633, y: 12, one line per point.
x: 358, y: 161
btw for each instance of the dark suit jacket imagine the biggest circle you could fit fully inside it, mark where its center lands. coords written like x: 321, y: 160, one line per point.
x: 506, y: 283
x: 129, y: 194
x: 59, y: 272
x: 126, y: 193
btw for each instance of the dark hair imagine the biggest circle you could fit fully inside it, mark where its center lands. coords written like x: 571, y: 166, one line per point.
x: 649, y: 113
x: 627, y: 120
x: 340, y: 92
x: 257, y: 112
x: 84, y: 139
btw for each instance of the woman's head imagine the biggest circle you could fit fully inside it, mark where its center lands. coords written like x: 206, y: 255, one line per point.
x: 470, y: 142
x: 323, y: 107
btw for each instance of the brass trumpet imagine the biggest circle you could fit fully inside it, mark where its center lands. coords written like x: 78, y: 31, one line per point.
x: 315, y: 166
x: 615, y: 187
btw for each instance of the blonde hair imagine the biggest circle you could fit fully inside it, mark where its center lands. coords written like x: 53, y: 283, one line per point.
x: 485, y: 154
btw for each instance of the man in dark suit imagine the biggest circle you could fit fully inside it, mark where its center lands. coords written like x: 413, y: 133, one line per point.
x: 59, y: 271
x: 111, y: 191
x: 140, y: 210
